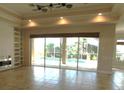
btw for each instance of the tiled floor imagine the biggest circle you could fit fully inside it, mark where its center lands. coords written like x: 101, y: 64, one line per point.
x: 63, y: 79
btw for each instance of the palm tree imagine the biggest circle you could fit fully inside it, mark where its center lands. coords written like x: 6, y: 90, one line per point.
x: 50, y: 50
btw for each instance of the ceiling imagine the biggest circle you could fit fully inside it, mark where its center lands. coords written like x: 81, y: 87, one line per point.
x: 78, y: 13
x: 24, y: 10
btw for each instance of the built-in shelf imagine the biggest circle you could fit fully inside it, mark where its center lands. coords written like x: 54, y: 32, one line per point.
x: 18, y: 57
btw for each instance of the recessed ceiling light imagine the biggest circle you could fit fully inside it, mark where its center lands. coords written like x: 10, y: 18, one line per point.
x: 99, y: 14
x: 61, y: 17
x: 29, y: 20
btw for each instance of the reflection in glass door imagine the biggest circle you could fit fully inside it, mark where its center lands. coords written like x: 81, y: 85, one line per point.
x: 52, y: 57
x: 37, y: 51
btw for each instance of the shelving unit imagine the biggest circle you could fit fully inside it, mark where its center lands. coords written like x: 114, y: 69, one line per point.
x: 18, y: 50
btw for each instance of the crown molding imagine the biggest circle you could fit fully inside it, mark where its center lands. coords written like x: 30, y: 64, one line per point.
x: 9, y: 12
x: 18, y: 24
x: 58, y: 27
x: 9, y: 16
x: 70, y: 28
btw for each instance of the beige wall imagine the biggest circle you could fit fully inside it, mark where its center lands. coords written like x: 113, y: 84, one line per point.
x: 106, y: 48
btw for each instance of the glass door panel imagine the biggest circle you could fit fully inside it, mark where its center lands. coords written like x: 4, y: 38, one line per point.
x: 88, y: 51
x: 52, y: 58
x: 37, y: 50
x: 119, y: 63
x: 120, y: 53
x: 70, y: 53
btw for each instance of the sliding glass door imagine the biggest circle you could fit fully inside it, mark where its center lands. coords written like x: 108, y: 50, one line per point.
x: 67, y: 52
x: 88, y: 53
x: 37, y: 51
x: 70, y: 53
x: 52, y: 57
x: 119, y: 63
x: 120, y: 53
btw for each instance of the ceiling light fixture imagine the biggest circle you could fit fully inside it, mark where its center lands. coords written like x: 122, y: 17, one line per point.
x: 46, y: 7
x: 29, y: 20
x: 61, y: 17
x: 99, y: 14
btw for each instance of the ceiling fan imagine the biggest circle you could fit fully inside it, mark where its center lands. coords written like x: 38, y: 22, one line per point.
x: 45, y: 8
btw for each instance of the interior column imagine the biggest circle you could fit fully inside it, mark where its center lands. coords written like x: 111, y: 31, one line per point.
x: 64, y: 51
x: 107, y: 47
